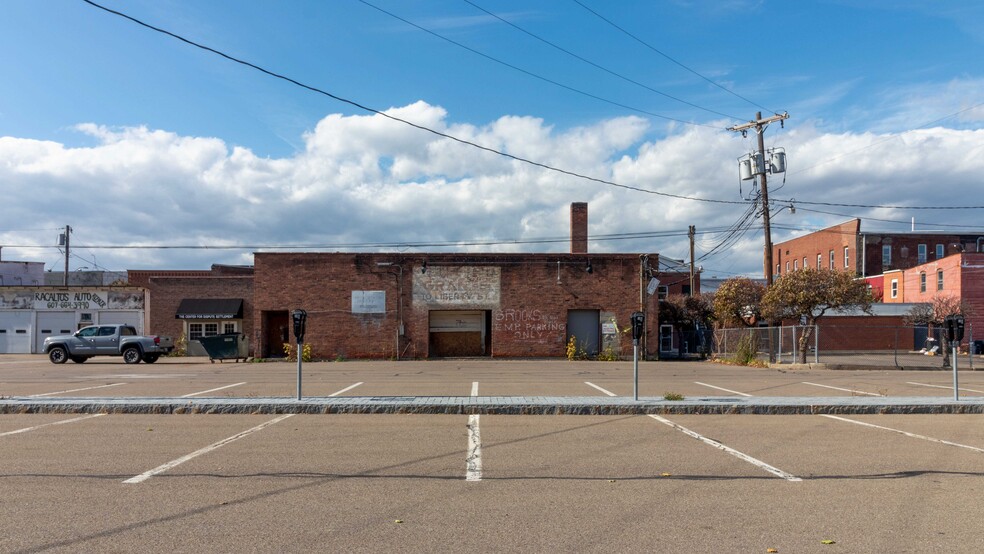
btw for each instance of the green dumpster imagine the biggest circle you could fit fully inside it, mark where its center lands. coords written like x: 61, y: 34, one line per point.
x: 230, y: 346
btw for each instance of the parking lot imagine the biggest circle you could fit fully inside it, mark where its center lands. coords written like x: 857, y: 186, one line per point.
x: 708, y: 483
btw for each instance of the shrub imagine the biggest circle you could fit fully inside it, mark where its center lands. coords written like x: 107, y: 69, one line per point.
x: 746, y: 351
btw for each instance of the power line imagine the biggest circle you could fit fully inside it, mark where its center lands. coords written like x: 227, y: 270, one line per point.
x: 661, y: 53
x: 595, y: 65
x: 486, y: 148
x: 530, y: 73
x: 404, y: 121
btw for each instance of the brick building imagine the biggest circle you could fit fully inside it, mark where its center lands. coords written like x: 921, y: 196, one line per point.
x: 197, y: 303
x: 845, y: 247
x: 439, y: 305
x: 380, y: 305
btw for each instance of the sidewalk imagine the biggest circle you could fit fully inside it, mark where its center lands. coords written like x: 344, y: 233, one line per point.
x: 496, y: 405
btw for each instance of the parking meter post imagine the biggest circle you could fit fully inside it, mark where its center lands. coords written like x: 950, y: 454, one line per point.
x: 300, y: 347
x: 300, y: 326
x: 638, y: 326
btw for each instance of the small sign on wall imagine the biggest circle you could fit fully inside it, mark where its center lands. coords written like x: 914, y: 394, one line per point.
x: 368, y: 302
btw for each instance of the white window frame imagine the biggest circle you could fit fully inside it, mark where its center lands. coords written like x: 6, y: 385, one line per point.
x: 819, y: 261
x: 847, y: 257
x: 832, y: 258
x: 939, y: 279
x: 210, y: 327
x: 922, y: 281
x: 895, y: 288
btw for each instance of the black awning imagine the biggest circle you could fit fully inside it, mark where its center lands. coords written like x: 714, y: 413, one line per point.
x: 210, y: 308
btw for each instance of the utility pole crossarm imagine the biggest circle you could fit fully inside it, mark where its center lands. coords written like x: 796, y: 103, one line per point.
x: 760, y: 122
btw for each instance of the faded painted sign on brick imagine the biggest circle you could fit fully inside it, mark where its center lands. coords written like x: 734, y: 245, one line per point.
x: 457, y: 286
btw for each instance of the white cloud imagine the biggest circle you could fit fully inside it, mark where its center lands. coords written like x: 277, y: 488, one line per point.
x: 368, y: 179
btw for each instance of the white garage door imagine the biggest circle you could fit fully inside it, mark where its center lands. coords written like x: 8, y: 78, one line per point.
x: 53, y: 323
x: 133, y: 319
x: 15, y: 332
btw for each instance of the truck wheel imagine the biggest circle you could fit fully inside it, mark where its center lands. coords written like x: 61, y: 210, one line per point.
x: 131, y: 355
x: 58, y: 355
x: 151, y: 358
x: 79, y: 359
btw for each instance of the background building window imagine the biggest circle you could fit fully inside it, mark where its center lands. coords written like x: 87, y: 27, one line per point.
x: 194, y: 331
x: 895, y: 288
x: 847, y: 257
x: 940, y: 252
x: 922, y: 281
x: 229, y: 327
x: 922, y: 253
x: 887, y: 255
x: 939, y: 280
x: 819, y: 261
x: 832, y: 257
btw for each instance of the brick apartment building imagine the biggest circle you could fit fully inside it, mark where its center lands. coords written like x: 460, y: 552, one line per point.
x: 901, y: 268
x: 845, y: 247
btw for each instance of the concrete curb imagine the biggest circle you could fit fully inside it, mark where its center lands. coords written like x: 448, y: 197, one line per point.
x: 496, y: 405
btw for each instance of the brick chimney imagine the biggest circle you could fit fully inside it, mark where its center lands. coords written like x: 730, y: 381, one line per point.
x: 579, y: 227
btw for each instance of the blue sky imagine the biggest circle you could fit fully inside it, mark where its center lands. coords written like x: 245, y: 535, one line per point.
x: 135, y: 138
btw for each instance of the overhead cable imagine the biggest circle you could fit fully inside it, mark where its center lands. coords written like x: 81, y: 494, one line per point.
x: 595, y: 65
x: 661, y: 53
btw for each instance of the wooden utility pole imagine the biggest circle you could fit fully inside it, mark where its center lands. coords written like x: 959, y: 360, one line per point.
x: 759, y: 125
x: 693, y: 231
x: 68, y: 231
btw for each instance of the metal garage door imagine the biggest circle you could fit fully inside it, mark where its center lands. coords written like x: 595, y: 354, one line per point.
x: 15, y: 332
x: 457, y: 333
x: 133, y: 319
x: 53, y: 323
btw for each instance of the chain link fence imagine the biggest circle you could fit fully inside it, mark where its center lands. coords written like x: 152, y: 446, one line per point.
x: 849, y: 346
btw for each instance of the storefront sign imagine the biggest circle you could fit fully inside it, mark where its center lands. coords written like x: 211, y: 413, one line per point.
x: 70, y: 300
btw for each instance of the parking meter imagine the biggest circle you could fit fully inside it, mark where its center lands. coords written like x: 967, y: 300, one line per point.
x: 638, y: 325
x: 954, y: 328
x: 300, y: 322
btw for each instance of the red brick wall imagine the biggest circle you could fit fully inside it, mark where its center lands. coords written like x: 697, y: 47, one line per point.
x: 529, y: 315
x: 166, y: 293
x: 861, y: 333
x: 834, y: 238
x: 962, y: 278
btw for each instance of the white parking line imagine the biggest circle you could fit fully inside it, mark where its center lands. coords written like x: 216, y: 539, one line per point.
x: 74, y: 390
x: 346, y: 389
x: 950, y: 387
x: 852, y: 391
x: 173, y: 463
x: 26, y: 429
x: 711, y: 442
x: 906, y: 433
x: 473, y: 462
x: 597, y: 387
x: 722, y: 389
x: 212, y: 390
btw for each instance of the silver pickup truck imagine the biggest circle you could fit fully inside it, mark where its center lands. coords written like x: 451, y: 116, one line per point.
x: 106, y: 340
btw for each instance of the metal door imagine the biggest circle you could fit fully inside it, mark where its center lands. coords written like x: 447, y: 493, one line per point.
x: 585, y: 327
